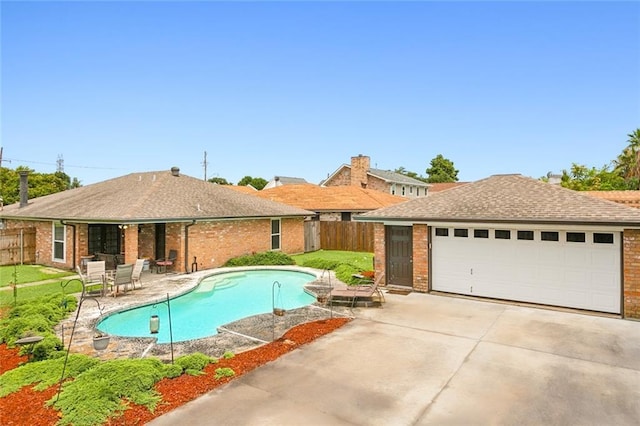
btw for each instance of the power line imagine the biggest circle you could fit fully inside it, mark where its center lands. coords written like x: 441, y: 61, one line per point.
x: 68, y: 165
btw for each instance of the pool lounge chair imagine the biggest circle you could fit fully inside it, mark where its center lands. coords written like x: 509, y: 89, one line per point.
x: 122, y: 277
x: 352, y: 294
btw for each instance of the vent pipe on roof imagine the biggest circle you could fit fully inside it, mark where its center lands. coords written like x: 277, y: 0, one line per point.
x: 175, y: 171
x: 24, y: 188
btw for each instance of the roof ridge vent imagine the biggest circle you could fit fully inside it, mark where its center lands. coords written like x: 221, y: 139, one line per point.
x: 175, y: 171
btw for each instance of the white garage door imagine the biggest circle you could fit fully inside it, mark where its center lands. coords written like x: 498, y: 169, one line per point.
x: 576, y: 269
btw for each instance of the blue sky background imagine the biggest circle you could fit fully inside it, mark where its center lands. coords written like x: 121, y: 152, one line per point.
x: 297, y: 88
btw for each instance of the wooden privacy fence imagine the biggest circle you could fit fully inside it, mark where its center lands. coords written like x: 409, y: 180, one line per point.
x: 349, y: 236
x: 17, y: 246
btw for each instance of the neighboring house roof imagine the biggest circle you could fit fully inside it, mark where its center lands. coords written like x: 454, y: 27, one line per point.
x: 386, y: 175
x: 330, y: 198
x: 283, y: 180
x: 509, y: 198
x: 248, y: 189
x: 393, y: 177
x: 443, y: 186
x: 149, y: 197
x: 629, y: 198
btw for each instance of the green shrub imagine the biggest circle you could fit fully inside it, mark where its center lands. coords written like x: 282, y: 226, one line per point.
x: 194, y: 363
x: 224, y: 372
x: 228, y: 355
x: 98, y: 393
x: 319, y: 263
x: 265, y: 258
x: 172, y: 371
x: 344, y: 272
x: 44, y: 373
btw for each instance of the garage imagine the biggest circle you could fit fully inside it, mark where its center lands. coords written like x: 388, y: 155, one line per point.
x: 575, y: 268
x: 516, y: 238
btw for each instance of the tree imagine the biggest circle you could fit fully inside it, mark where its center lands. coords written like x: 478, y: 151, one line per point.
x: 441, y: 170
x: 628, y: 162
x: 219, y: 181
x: 39, y: 184
x: 258, y: 183
x: 582, y: 178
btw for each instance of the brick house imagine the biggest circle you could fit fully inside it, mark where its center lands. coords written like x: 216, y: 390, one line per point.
x: 514, y: 238
x: 145, y: 215
x: 360, y: 174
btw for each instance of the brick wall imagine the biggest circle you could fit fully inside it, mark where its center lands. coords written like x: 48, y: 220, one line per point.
x: 631, y: 272
x: 379, y: 252
x: 378, y: 185
x: 341, y: 178
x: 421, y: 258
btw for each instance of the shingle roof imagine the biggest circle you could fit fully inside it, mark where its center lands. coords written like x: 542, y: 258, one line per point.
x: 287, y: 180
x: 443, y: 186
x: 150, y: 196
x: 390, y: 176
x: 330, y: 198
x: 509, y: 198
x: 629, y: 198
x: 247, y: 189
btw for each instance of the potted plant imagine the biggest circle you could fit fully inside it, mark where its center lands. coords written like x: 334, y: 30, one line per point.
x: 278, y: 312
x: 100, y: 340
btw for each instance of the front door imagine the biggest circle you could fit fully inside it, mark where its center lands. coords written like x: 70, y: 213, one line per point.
x: 399, y: 256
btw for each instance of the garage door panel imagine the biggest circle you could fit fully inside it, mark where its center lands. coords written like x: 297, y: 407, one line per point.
x: 582, y: 275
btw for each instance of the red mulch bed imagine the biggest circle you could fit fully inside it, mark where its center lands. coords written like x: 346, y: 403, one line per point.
x: 28, y: 406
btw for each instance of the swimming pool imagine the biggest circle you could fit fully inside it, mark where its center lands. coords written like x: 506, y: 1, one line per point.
x: 218, y: 299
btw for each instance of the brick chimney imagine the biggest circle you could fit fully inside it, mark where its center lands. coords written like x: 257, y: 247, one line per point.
x: 24, y: 188
x: 359, y: 169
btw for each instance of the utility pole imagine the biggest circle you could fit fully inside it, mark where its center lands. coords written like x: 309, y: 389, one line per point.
x: 204, y: 163
x: 60, y: 164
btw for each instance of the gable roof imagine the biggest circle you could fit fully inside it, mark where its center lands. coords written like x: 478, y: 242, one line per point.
x: 509, y: 198
x: 629, y: 198
x: 149, y: 197
x: 330, y: 198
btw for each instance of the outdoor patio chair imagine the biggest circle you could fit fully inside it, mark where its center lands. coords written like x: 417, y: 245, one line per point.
x: 89, y: 286
x: 136, y: 275
x: 354, y: 293
x: 163, y: 264
x: 122, y: 277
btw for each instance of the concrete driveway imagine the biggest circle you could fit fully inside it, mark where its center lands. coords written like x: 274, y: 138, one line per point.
x: 436, y: 360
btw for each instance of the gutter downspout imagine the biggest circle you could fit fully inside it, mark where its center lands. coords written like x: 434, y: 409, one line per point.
x: 74, y: 242
x: 186, y: 245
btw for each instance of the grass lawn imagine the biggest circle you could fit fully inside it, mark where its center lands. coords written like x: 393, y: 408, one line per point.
x: 29, y: 273
x: 32, y: 292
x: 360, y: 260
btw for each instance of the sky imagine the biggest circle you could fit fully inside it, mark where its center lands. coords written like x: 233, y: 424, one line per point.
x: 296, y: 88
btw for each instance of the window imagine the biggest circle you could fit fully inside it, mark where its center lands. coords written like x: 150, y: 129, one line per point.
x: 404, y: 190
x: 459, y: 232
x: 502, y: 234
x: 393, y: 189
x: 525, y: 235
x: 600, y: 238
x: 58, y: 242
x: 417, y: 192
x: 480, y: 233
x: 442, y: 232
x: 275, y: 234
x: 576, y: 237
x: 549, y: 236
x: 411, y: 190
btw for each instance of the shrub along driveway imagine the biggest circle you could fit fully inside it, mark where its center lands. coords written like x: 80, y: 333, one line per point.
x: 428, y: 359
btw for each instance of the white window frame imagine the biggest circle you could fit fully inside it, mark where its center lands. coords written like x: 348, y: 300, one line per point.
x: 55, y: 242
x: 276, y: 235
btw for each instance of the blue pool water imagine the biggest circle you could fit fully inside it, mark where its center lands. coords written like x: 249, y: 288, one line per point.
x: 218, y: 299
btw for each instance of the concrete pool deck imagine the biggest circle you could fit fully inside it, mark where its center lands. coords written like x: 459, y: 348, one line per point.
x: 428, y: 359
